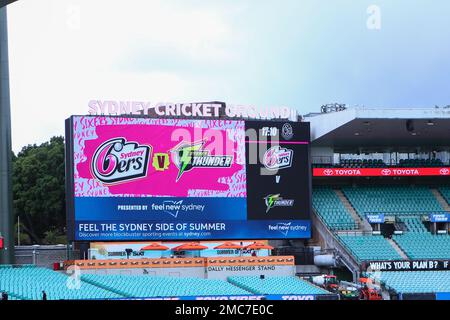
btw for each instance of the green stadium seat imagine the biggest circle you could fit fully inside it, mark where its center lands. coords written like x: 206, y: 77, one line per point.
x: 392, y: 200
x: 369, y: 247
x: 330, y: 209
x: 276, y: 285
x: 152, y: 286
x: 424, y: 245
x: 415, y: 281
x: 28, y: 282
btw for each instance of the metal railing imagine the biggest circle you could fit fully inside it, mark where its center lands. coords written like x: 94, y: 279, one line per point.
x: 44, y: 256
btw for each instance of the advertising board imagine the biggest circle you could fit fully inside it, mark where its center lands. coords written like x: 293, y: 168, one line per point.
x: 132, y: 178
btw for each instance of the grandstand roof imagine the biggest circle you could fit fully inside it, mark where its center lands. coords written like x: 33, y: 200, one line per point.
x: 375, y: 128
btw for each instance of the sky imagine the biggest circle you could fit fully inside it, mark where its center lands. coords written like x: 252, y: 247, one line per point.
x: 296, y: 53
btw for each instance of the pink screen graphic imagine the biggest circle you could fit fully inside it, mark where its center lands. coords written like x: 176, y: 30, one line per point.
x: 138, y: 157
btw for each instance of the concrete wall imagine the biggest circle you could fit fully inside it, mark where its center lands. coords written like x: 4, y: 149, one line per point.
x: 195, y: 272
x: 322, y: 155
x: 200, y: 272
x: 223, y: 272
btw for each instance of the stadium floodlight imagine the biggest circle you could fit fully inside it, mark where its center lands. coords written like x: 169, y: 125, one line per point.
x: 6, y: 216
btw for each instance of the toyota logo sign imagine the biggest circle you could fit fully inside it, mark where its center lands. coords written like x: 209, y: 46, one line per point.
x: 444, y: 171
x: 328, y: 172
x: 386, y: 172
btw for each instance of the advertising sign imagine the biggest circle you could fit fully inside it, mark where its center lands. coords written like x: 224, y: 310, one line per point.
x: 380, y: 172
x: 177, y: 179
x: 439, y: 217
x: 412, y: 265
x: 443, y: 296
x: 241, y: 297
x: 375, y: 218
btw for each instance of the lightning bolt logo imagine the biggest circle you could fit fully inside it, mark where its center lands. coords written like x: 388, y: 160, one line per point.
x: 270, y: 201
x: 184, y: 155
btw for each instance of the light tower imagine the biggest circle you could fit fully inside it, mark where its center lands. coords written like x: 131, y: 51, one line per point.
x: 6, y: 214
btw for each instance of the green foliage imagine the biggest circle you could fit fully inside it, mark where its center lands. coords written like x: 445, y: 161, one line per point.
x: 54, y: 237
x: 39, y: 190
x: 24, y: 237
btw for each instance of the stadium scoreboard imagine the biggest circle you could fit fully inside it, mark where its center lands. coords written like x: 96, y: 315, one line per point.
x: 130, y: 178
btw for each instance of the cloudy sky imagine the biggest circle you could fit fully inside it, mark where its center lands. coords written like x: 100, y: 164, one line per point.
x: 299, y: 53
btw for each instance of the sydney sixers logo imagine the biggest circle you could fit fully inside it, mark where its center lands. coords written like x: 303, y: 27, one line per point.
x: 277, y: 158
x: 117, y: 160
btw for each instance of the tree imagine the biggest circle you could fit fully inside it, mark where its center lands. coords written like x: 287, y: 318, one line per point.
x: 39, y: 190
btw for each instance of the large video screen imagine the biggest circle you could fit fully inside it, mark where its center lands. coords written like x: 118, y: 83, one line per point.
x: 177, y: 179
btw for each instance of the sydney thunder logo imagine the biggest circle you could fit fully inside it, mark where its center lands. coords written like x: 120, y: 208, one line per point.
x: 274, y: 200
x: 189, y: 156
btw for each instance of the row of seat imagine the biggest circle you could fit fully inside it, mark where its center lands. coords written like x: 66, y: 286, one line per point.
x: 397, y: 200
x: 415, y: 281
x: 424, y: 245
x: 369, y: 247
x: 378, y: 163
x: 276, y: 285
x: 415, y: 163
x: 27, y: 283
x: 365, y: 163
x: 329, y: 207
x: 151, y: 286
x: 445, y: 192
x: 413, y: 224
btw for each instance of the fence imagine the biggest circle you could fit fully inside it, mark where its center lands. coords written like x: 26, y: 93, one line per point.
x: 44, y: 256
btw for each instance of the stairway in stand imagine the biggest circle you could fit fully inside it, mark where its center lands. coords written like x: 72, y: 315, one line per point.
x: 363, y: 224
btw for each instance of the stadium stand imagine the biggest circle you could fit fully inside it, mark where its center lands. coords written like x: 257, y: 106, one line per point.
x: 369, y: 247
x: 417, y: 163
x: 392, y: 200
x: 276, y: 285
x: 358, y: 163
x: 413, y: 224
x: 329, y: 207
x: 27, y: 283
x: 407, y: 204
x: 424, y: 245
x: 378, y: 163
x: 150, y: 286
x: 445, y: 192
x: 416, y: 281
